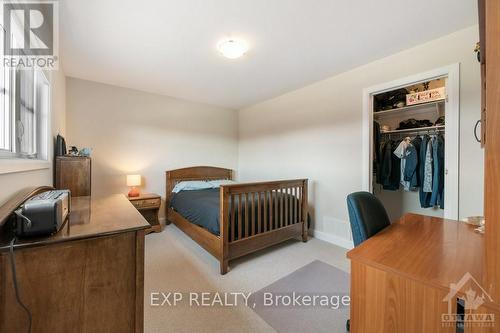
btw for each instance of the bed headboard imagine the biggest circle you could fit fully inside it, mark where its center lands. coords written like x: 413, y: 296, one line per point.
x: 194, y: 173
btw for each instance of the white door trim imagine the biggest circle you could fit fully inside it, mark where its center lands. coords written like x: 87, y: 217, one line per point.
x: 452, y: 115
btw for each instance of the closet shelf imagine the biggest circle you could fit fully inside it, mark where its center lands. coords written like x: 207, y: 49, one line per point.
x: 408, y: 108
x: 418, y: 129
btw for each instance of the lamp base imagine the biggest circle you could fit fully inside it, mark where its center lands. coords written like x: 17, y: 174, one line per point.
x: 134, y: 192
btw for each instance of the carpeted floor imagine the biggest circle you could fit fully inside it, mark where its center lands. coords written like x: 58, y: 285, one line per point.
x: 175, y: 263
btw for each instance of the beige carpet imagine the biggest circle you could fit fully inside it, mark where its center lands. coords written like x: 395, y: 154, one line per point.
x: 175, y: 263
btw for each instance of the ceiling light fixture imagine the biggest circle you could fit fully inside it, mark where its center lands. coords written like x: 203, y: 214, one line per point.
x: 232, y: 48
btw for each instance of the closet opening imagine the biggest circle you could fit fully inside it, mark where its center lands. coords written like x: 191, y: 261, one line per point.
x: 413, y: 144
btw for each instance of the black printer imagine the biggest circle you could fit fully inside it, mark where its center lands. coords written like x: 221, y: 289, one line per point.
x: 43, y: 214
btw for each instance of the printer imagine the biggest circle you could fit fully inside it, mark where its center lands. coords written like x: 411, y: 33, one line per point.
x: 43, y: 214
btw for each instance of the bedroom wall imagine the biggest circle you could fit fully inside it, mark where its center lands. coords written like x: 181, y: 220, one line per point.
x: 134, y: 132
x: 14, y: 182
x: 316, y: 131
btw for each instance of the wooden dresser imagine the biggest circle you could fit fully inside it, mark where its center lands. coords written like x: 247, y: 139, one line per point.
x: 86, y: 278
x: 73, y: 173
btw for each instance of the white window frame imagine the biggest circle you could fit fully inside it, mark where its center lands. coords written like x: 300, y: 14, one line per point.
x: 10, y: 161
x: 6, y: 140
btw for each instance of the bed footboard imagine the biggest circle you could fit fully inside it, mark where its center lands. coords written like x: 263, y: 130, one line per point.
x: 254, y: 216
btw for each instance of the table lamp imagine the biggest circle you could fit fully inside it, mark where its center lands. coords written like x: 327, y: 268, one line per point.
x: 133, y: 181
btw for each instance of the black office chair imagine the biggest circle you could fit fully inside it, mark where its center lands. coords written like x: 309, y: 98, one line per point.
x: 367, y: 217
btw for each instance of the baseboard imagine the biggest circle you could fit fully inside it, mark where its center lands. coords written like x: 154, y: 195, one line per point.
x: 336, y: 240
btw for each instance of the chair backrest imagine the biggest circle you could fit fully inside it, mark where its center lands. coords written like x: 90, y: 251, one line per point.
x: 367, y: 216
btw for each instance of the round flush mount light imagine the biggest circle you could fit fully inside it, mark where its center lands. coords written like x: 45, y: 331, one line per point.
x: 232, y: 48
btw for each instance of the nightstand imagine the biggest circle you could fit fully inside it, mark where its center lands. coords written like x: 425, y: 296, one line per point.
x: 148, y: 204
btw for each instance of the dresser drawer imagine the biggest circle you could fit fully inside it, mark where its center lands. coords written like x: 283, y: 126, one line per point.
x: 146, y: 203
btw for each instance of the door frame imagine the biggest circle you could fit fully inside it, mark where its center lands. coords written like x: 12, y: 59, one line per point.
x: 452, y: 116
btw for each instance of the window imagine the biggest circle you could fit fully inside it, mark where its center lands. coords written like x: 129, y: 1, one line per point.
x: 24, y: 108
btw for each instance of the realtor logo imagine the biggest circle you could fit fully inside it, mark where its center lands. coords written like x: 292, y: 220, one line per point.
x: 30, y: 34
x: 473, y: 296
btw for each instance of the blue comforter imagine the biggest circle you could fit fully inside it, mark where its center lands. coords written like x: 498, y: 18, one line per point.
x: 201, y: 207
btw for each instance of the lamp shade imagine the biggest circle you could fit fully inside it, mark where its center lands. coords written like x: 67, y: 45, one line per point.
x: 133, y: 180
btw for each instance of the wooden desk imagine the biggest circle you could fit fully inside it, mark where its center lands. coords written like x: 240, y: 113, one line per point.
x: 86, y: 278
x: 401, y: 277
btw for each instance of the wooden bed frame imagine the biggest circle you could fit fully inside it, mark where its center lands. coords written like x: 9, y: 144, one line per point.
x: 285, y: 202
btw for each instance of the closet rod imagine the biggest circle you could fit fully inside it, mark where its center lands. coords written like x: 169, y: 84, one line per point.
x: 416, y: 130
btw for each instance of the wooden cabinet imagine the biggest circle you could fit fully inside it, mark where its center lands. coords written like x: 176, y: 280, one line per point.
x: 492, y: 148
x: 482, y: 42
x: 73, y: 173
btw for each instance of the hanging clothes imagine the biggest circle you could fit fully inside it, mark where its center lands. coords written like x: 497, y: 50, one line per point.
x: 411, y: 173
x: 425, y: 197
x: 395, y: 178
x: 415, y: 164
x: 385, y: 163
x: 390, y: 167
x: 402, y: 152
x: 437, y: 197
x: 377, y: 159
x: 376, y: 141
x: 428, y: 168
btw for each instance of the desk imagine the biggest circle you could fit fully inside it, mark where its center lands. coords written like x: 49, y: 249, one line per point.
x: 401, y: 277
x: 86, y: 278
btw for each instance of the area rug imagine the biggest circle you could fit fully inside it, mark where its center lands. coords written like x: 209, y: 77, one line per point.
x: 313, y: 298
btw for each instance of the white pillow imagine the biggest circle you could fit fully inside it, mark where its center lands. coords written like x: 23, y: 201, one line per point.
x: 217, y: 183
x: 191, y: 185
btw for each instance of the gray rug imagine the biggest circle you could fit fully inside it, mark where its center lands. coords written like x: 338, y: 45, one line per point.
x: 317, y: 288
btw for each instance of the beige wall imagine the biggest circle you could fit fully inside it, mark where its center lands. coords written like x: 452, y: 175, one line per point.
x: 316, y: 131
x: 14, y: 182
x: 136, y: 132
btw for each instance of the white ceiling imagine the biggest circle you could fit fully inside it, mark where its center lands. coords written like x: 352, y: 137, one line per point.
x: 169, y: 47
